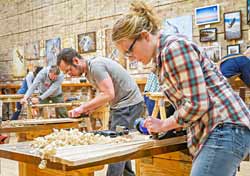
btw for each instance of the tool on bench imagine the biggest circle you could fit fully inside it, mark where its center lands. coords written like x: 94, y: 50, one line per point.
x: 139, y: 125
x: 120, y: 131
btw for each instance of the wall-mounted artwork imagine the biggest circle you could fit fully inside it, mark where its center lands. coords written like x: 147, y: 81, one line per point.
x: 32, y: 50
x: 212, y: 52
x: 53, y: 47
x: 179, y: 25
x: 110, y: 49
x: 69, y: 42
x: 207, y: 14
x: 19, y: 62
x: 248, y: 11
x: 232, y: 25
x: 233, y: 49
x: 86, y: 42
x: 208, y: 35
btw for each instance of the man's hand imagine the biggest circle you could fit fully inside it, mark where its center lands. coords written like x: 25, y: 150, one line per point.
x: 35, y: 100
x: 75, y: 112
x: 23, y: 101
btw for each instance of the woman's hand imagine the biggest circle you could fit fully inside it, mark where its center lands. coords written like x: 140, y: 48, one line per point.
x: 154, y: 125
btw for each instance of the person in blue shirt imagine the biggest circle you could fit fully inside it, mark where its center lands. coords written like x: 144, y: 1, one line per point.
x: 27, y: 82
x: 234, y: 65
x: 152, y: 85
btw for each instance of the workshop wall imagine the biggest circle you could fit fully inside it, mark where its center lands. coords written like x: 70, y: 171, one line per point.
x: 27, y: 24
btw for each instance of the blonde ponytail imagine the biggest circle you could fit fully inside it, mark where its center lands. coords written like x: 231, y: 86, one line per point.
x: 141, y: 17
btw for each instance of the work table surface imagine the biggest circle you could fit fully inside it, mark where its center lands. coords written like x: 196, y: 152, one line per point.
x: 77, y: 157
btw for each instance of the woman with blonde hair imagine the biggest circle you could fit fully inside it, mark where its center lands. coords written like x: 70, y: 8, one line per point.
x: 217, y: 120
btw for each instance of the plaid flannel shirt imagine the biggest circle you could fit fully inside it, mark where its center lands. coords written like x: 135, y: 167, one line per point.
x: 201, y: 95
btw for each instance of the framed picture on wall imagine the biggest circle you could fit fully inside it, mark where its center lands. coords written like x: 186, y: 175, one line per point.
x: 208, y: 35
x: 86, y: 42
x: 53, y: 47
x: 110, y: 49
x: 32, y: 50
x: 248, y: 11
x: 232, y: 25
x: 212, y: 52
x: 207, y: 14
x: 173, y: 26
x: 233, y: 49
x: 19, y: 62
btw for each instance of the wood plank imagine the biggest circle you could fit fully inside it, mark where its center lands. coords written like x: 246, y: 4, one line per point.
x: 93, y: 153
x: 55, y: 105
x: 45, y: 121
x: 43, y: 124
x: 11, y: 98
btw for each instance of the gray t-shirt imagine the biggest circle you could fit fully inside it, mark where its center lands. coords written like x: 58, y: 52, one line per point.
x: 126, y: 90
x: 47, y: 87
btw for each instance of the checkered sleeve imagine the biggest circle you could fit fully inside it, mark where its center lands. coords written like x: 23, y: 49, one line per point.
x: 183, y: 65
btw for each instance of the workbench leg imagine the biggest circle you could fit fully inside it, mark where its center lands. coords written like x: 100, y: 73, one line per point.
x: 105, y: 122
x: 29, y: 112
x: 155, y: 111
x: 1, y: 111
x: 162, y: 109
x: 87, y: 120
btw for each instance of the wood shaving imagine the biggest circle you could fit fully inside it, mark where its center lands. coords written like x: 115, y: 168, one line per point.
x: 47, y: 146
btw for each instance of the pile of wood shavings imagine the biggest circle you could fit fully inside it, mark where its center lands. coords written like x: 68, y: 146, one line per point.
x: 47, y: 145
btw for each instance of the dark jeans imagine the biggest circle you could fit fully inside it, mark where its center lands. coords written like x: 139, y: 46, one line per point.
x: 22, y: 90
x: 18, y: 111
x: 124, y: 117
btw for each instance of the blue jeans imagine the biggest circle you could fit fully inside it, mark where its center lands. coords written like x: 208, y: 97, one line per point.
x: 16, y: 114
x: 225, y: 148
x: 22, y: 90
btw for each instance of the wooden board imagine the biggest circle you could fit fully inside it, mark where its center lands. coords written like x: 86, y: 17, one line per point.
x: 11, y: 98
x: 70, y: 158
x: 33, y: 125
x: 45, y: 121
x: 14, y: 96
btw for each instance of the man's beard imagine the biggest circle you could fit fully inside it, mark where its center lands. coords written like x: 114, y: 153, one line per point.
x: 79, y: 70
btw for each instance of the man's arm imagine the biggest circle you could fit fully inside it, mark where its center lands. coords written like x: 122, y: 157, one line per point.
x: 106, y: 95
x: 34, y: 85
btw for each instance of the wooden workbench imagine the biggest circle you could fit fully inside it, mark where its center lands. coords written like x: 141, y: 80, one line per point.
x: 77, y: 159
x: 14, y: 87
x: 30, y: 129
